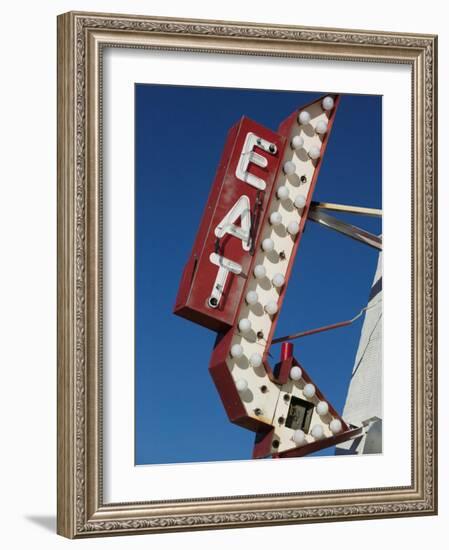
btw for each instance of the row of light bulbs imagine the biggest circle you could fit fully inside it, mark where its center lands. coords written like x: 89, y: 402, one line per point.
x: 252, y: 297
x: 304, y: 116
x: 267, y: 245
x: 317, y: 432
x: 237, y: 352
x: 283, y: 194
x: 244, y: 325
x: 278, y: 281
x: 297, y: 142
x: 276, y: 218
x: 322, y: 408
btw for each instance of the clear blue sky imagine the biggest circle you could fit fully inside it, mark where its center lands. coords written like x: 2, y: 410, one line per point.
x: 180, y: 133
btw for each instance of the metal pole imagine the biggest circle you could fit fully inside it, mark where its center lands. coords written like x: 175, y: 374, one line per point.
x: 350, y: 209
x: 347, y: 229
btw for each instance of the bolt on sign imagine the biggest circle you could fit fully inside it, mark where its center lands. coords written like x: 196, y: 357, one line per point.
x: 236, y: 277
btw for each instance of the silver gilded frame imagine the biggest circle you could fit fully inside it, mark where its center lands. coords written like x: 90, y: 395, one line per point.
x: 81, y: 39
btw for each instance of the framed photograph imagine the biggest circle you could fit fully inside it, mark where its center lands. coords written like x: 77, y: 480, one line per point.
x: 246, y: 274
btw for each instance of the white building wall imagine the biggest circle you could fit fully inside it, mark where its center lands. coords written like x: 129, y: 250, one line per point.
x: 364, y: 399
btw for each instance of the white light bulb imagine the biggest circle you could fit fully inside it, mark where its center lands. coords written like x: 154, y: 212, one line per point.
x: 321, y: 127
x: 271, y: 308
x: 304, y: 117
x: 267, y: 245
x: 241, y: 385
x: 309, y: 390
x: 283, y: 193
x: 275, y: 218
x: 297, y: 142
x: 244, y: 325
x: 314, y: 153
x: 327, y: 103
x: 295, y: 373
x: 236, y: 351
x: 293, y: 228
x: 289, y: 168
x: 255, y: 360
x: 259, y: 272
x: 278, y: 280
x: 299, y: 437
x: 252, y: 297
x: 335, y: 426
x: 300, y: 201
x: 322, y: 408
x: 317, y: 431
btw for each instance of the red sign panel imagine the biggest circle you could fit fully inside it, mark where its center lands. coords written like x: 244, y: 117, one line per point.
x: 215, y: 275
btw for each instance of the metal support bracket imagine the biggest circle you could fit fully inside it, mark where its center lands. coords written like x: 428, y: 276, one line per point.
x: 347, y: 229
x: 347, y: 208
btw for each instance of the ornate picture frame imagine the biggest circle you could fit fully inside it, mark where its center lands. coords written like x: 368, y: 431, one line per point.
x: 82, y: 38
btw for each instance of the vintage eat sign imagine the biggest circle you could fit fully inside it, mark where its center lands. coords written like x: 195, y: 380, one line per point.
x: 236, y: 277
x: 214, y: 277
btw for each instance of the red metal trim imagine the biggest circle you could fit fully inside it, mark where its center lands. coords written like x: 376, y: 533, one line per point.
x: 262, y: 442
x: 225, y: 385
x: 281, y: 371
x: 286, y: 350
x: 181, y: 307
